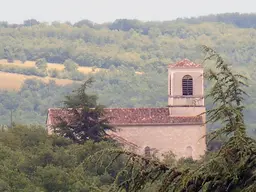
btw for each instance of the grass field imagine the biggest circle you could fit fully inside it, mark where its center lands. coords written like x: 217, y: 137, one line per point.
x: 49, y: 66
x: 13, y: 81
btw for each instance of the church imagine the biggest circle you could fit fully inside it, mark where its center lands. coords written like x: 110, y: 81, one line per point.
x: 179, y: 127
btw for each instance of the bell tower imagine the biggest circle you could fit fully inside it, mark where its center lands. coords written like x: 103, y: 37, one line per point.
x: 185, y: 88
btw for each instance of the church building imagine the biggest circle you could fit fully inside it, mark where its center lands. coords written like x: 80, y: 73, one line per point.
x: 179, y: 127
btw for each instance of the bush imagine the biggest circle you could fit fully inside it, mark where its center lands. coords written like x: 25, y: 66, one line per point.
x: 54, y: 73
x: 41, y: 64
x: 24, y: 71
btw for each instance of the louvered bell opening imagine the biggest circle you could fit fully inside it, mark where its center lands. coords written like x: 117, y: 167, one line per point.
x: 187, y: 85
x: 170, y: 86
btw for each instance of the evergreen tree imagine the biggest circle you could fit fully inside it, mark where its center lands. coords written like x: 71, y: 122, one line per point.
x: 87, y: 117
x: 232, y: 168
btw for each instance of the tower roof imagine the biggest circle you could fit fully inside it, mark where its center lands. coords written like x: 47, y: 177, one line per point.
x: 185, y: 63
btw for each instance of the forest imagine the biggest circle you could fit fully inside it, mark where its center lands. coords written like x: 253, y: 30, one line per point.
x: 31, y: 160
x: 78, y: 159
x: 121, y: 47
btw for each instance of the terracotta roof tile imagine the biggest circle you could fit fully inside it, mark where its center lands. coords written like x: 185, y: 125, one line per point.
x: 185, y: 63
x: 130, y: 116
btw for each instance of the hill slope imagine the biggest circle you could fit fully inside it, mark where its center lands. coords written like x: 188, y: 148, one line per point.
x: 12, y: 81
x: 123, y: 47
x: 129, y: 43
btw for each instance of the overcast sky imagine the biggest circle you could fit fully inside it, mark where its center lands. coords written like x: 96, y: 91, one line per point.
x: 15, y: 11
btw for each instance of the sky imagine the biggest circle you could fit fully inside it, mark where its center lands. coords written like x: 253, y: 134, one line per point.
x: 99, y: 11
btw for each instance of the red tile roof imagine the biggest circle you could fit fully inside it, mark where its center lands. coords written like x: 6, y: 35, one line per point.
x: 185, y: 63
x: 130, y: 116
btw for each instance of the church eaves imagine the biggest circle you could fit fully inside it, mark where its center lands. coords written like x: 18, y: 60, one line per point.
x: 129, y: 116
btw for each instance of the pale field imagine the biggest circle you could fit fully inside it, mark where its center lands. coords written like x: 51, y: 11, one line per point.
x: 49, y: 66
x: 14, y: 81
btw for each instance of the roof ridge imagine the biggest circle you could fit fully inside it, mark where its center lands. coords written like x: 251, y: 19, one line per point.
x: 136, y: 108
x: 116, y: 108
x: 185, y: 63
x: 131, y: 116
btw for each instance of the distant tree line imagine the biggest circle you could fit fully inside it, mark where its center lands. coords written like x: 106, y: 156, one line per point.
x: 242, y: 20
x: 130, y: 43
x: 124, y: 47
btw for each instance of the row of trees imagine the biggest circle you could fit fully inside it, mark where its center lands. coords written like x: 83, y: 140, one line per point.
x: 70, y: 70
x: 125, y: 42
x: 124, y: 51
x: 70, y: 66
x: 33, y: 161
x: 115, y: 88
x: 237, y: 19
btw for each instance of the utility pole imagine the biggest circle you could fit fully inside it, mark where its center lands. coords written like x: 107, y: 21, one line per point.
x: 11, y: 119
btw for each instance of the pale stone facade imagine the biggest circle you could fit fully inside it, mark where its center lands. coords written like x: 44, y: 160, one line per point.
x: 177, y: 128
x: 165, y: 138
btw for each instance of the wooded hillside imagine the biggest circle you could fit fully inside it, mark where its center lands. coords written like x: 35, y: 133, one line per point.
x: 123, y: 47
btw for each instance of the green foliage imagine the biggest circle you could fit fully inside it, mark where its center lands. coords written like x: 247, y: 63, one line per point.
x: 130, y: 43
x: 25, y: 71
x: 120, y: 88
x: 8, y: 54
x: 41, y: 64
x: 30, y: 104
x: 87, y: 117
x: 70, y: 65
x: 32, y: 161
x: 232, y: 168
x: 126, y: 46
x: 30, y: 22
x: 54, y: 73
x: 80, y: 99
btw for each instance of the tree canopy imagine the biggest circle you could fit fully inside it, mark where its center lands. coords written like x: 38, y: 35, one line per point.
x: 70, y: 65
x: 232, y: 168
x: 41, y: 64
x: 132, y: 54
x: 32, y: 161
x: 88, y: 121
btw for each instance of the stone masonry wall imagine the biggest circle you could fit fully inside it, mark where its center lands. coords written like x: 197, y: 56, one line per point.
x: 180, y: 139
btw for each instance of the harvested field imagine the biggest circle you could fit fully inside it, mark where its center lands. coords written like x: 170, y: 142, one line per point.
x: 13, y: 81
x: 49, y: 66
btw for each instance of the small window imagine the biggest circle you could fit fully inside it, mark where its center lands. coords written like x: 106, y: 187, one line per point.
x: 187, y: 85
x: 189, y: 151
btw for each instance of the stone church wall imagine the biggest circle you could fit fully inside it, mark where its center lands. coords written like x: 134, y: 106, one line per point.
x: 182, y: 140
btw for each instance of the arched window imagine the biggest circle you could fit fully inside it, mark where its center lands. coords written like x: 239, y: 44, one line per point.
x: 189, y: 151
x: 147, y: 151
x: 187, y: 85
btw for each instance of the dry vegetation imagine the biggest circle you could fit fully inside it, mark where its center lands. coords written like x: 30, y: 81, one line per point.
x: 12, y: 81
x: 49, y: 66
